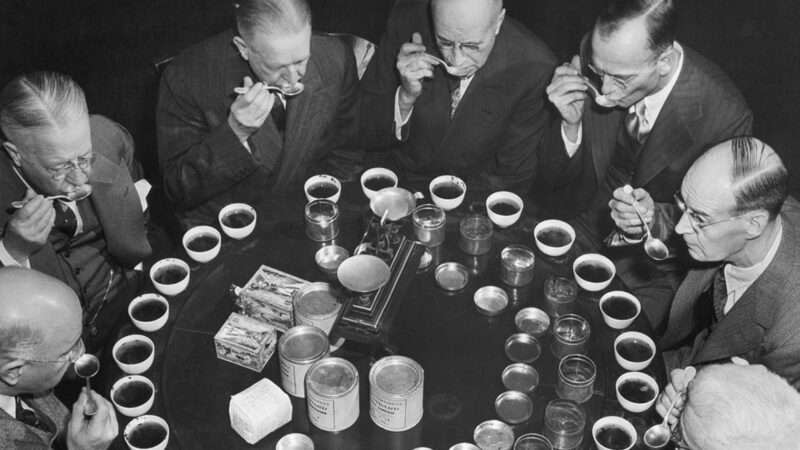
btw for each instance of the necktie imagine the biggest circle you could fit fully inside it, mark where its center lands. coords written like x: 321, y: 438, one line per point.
x: 455, y: 96
x: 27, y: 416
x: 278, y: 114
x: 720, y: 294
x: 637, y: 125
x: 65, y: 220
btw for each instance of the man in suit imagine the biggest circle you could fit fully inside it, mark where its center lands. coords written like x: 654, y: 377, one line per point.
x: 664, y: 105
x: 94, y: 237
x: 483, y: 120
x: 745, y: 300
x: 224, y: 136
x: 40, y: 337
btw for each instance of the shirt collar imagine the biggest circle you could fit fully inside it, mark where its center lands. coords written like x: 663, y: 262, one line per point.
x: 8, y: 404
x: 655, y: 102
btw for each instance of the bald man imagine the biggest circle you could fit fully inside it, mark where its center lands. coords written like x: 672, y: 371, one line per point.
x: 40, y: 338
x: 744, y: 301
x: 482, y: 119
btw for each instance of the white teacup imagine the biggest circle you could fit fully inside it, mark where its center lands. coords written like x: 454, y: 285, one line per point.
x: 135, y: 312
x: 170, y: 267
x: 552, y: 248
x: 373, y: 174
x: 630, y: 404
x: 629, y: 363
x: 498, y: 217
x: 444, y: 187
x: 202, y: 235
x: 133, y: 368
x: 135, y: 409
x: 322, y: 181
x: 229, y: 216
x: 619, y: 323
x: 134, y: 427
x: 615, y: 422
x: 597, y: 262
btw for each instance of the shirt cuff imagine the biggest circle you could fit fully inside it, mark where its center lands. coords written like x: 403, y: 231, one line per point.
x: 570, y: 146
x: 399, y: 121
x: 9, y: 260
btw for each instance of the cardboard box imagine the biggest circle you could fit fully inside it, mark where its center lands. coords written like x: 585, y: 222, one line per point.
x: 267, y: 297
x: 246, y: 342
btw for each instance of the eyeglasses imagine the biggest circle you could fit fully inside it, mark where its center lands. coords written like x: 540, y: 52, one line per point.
x: 76, y: 351
x: 696, y: 221
x: 61, y: 171
x: 597, y: 76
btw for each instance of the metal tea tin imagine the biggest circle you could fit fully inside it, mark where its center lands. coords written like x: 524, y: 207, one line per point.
x: 298, y: 348
x: 332, y: 394
x: 316, y: 305
x: 395, y: 394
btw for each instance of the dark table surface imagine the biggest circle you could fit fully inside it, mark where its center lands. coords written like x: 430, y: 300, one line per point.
x: 460, y: 350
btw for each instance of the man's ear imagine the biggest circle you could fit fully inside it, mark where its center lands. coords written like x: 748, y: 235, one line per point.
x: 756, y: 223
x: 13, y: 153
x: 241, y: 45
x: 667, y: 60
x: 500, y: 18
x: 11, y: 371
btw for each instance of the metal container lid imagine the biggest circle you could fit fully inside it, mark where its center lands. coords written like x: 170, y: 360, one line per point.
x: 533, y: 441
x: 396, y: 376
x: 303, y: 343
x: 517, y: 257
x: 533, y: 321
x: 491, y: 300
x: 465, y: 446
x: 330, y: 257
x: 520, y: 377
x: 316, y: 300
x: 332, y: 377
x: 451, y: 276
x: 295, y: 441
x: 513, y: 407
x: 493, y: 434
x: 522, y: 347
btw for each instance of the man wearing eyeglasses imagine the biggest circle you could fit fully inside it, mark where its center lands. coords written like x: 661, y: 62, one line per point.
x: 744, y: 301
x: 40, y: 338
x: 480, y: 119
x: 662, y: 104
x: 94, y: 233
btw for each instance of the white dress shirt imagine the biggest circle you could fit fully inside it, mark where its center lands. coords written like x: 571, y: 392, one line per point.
x: 739, y: 279
x: 400, y: 121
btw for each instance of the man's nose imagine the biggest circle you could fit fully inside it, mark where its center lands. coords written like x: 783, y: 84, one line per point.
x: 294, y: 75
x: 458, y: 56
x: 683, y: 226
x: 78, y: 176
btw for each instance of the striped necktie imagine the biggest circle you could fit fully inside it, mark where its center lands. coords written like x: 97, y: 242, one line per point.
x: 637, y: 125
x: 455, y: 97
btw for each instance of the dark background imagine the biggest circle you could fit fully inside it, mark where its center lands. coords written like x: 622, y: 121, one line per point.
x: 109, y: 47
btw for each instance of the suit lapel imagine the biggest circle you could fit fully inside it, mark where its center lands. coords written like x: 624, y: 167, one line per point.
x: 681, y: 316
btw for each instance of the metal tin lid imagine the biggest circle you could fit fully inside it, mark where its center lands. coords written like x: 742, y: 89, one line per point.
x: 316, y: 300
x: 451, y: 276
x: 332, y: 377
x: 396, y: 375
x: 491, y: 300
x: 330, y: 257
x: 520, y: 377
x: 493, y: 434
x: 533, y: 321
x: 513, y: 407
x: 303, y: 343
x: 295, y: 441
x: 522, y: 347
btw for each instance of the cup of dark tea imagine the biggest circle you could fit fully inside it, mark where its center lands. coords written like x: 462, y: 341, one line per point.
x: 375, y: 179
x: 134, y: 354
x: 634, y: 350
x: 147, y: 433
x: 554, y: 237
x: 149, y: 312
x: 593, y: 271
x: 447, y: 191
x: 619, y: 309
x: 170, y: 276
x: 323, y: 187
x: 202, y: 243
x: 504, y: 208
x: 133, y: 395
x: 636, y: 391
x: 613, y: 433
x: 238, y: 220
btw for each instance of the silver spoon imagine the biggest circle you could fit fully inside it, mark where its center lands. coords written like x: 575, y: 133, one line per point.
x: 17, y: 204
x: 654, y: 247
x: 597, y: 96
x: 288, y: 92
x: 452, y: 70
x: 87, y: 367
x: 659, y: 434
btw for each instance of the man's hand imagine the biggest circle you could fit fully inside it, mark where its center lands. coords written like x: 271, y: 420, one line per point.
x: 94, y: 432
x: 251, y: 109
x: 29, y: 226
x: 567, y: 91
x: 414, y: 66
x: 675, y: 392
x: 623, y: 212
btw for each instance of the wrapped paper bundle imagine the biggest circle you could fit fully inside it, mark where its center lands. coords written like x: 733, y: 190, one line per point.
x: 267, y: 297
x: 246, y: 342
x: 259, y: 410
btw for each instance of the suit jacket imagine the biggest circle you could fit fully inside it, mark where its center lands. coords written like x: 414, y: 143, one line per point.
x: 492, y: 139
x: 15, y: 435
x: 203, y: 164
x: 114, y: 198
x: 762, y: 327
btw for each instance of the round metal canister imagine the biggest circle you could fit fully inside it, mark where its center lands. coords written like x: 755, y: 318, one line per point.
x: 395, y: 394
x: 298, y: 348
x: 332, y: 394
x: 316, y: 305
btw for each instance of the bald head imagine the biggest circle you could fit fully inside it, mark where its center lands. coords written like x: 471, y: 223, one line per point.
x: 467, y: 14
x: 36, y: 311
x: 466, y: 30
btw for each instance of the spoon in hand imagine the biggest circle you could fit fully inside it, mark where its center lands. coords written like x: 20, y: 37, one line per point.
x: 17, y: 204
x: 288, y: 92
x: 452, y: 70
x: 654, y: 247
x: 86, y: 367
x: 597, y: 96
x: 659, y: 434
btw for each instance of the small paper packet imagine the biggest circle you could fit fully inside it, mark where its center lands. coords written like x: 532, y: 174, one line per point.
x: 259, y: 410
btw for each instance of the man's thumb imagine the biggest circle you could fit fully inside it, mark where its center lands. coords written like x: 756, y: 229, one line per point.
x: 416, y: 38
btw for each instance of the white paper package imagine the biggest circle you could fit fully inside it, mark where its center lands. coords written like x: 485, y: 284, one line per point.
x: 259, y: 410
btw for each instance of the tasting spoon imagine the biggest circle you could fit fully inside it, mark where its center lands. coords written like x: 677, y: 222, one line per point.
x: 288, y: 92
x: 659, y: 434
x: 17, y: 204
x: 452, y: 70
x: 87, y: 367
x: 654, y: 247
x: 597, y: 96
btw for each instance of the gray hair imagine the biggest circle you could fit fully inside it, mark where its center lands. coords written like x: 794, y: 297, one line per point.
x: 660, y: 19
x: 759, y: 177
x: 270, y: 16
x: 741, y: 407
x: 18, y: 339
x: 40, y: 100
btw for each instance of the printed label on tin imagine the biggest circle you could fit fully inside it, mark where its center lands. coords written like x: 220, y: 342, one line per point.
x: 333, y: 414
x: 395, y: 414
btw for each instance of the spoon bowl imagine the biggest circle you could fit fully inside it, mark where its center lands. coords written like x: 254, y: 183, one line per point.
x: 86, y: 367
x: 597, y: 96
x: 288, y: 92
x: 452, y: 70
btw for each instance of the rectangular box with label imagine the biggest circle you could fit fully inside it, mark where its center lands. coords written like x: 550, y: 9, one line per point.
x: 267, y: 297
x: 246, y: 342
